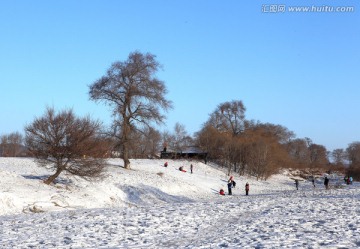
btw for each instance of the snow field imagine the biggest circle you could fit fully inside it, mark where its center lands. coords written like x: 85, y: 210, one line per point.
x: 141, y: 208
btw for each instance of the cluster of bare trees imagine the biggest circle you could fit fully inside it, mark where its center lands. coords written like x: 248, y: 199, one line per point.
x: 12, y: 145
x: 259, y: 149
x: 242, y: 146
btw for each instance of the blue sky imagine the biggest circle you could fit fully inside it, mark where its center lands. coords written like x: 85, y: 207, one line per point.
x: 300, y: 70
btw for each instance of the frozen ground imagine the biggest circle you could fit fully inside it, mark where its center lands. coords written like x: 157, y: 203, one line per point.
x: 155, y: 207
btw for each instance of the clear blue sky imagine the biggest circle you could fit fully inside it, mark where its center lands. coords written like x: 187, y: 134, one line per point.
x: 299, y: 70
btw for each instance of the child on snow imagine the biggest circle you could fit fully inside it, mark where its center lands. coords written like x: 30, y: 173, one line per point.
x: 182, y: 169
x: 222, y: 192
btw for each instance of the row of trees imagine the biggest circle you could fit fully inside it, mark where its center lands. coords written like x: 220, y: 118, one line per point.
x: 137, y: 98
x: 261, y: 149
x: 258, y: 149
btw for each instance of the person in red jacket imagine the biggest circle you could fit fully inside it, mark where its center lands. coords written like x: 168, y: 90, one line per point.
x: 222, y: 192
x: 247, y: 188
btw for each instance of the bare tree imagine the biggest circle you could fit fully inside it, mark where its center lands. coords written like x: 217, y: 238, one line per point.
x: 229, y: 117
x: 211, y: 140
x: 299, y: 152
x: 339, y: 157
x: 181, y: 137
x: 265, y: 154
x: 258, y: 159
x: 318, y: 156
x: 353, y: 152
x: 66, y: 143
x: 135, y: 94
x: 11, y: 145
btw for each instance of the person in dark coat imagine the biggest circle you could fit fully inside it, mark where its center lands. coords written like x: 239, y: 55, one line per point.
x: 297, y: 184
x: 326, y: 182
x: 191, y: 168
x: 230, y: 185
x: 247, y: 188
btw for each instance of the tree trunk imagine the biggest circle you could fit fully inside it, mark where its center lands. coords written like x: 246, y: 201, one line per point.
x: 126, y: 156
x: 125, y: 137
x: 53, y: 177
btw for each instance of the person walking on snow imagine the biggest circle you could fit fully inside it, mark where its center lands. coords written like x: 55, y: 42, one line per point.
x: 191, y: 168
x: 297, y: 184
x: 326, y: 182
x: 247, y: 188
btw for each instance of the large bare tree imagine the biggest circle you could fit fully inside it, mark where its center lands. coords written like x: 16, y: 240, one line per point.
x: 135, y: 94
x: 66, y: 143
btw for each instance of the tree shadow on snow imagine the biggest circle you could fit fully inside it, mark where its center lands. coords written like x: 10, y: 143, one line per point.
x: 58, y: 180
x: 145, y: 195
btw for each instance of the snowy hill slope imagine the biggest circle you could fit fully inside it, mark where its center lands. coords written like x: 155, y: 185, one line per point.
x: 152, y: 206
x: 148, y: 182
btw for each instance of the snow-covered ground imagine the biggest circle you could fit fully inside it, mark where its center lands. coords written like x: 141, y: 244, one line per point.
x: 152, y: 206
